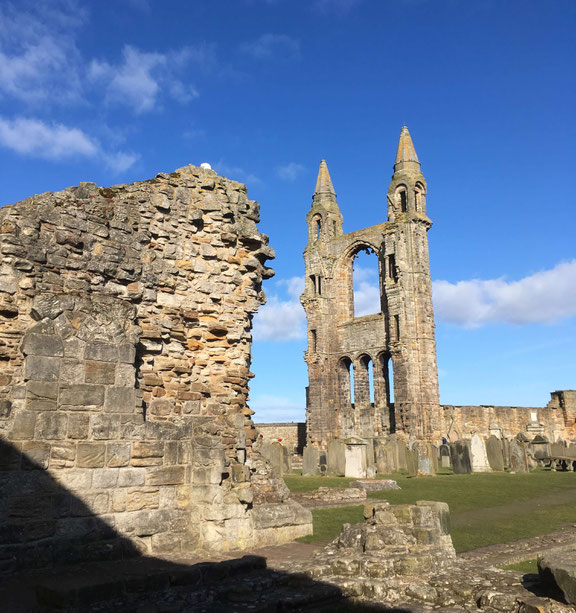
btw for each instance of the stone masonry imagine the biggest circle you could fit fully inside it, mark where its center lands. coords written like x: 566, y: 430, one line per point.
x: 401, y: 334
x: 125, y: 335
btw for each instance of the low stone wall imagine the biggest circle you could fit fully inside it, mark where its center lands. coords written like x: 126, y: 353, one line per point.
x: 291, y: 434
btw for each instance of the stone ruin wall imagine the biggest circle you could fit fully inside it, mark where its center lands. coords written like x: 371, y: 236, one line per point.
x: 290, y: 434
x: 125, y: 336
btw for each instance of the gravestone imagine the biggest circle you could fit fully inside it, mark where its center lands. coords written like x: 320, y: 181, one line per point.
x: 286, y: 460
x: 460, y: 454
x: 355, y: 458
x: 518, y: 459
x: 506, y: 453
x: 276, y: 458
x: 336, y: 458
x: 310, y: 461
x: 412, y: 459
x: 495, y: 453
x: 323, y: 462
x: 427, y: 458
x: 478, y: 457
x: 445, y: 460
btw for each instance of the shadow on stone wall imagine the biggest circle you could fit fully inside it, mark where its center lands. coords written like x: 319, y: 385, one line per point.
x: 56, y: 554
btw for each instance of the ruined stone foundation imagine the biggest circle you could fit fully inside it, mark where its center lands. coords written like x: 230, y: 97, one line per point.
x: 125, y: 317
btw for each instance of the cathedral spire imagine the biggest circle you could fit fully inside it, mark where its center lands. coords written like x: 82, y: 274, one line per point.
x: 406, y: 158
x: 324, y: 182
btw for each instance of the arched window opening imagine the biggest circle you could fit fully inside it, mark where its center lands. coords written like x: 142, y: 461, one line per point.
x: 313, y: 282
x: 346, y: 382
x: 366, y: 283
x: 313, y: 340
x: 386, y: 367
x: 396, y: 327
x: 403, y: 201
x: 371, y: 382
x: 392, y: 270
x: 419, y: 197
x: 352, y: 384
x: 317, y: 227
x: 319, y: 285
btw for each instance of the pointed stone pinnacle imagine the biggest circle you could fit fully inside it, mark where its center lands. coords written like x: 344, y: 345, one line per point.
x: 406, y: 158
x: 324, y: 182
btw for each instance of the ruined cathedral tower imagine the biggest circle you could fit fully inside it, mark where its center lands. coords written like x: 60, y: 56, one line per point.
x: 396, y: 346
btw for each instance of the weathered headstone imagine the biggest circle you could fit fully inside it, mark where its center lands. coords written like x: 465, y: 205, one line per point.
x: 355, y: 457
x: 478, y: 457
x: 310, y: 461
x: 495, y: 453
x: 460, y: 453
x: 518, y: 459
x: 286, y: 460
x: 412, y: 459
x: 427, y: 457
x: 445, y: 460
x: 276, y: 458
x: 336, y: 458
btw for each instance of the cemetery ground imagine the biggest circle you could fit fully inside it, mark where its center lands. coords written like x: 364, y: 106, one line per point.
x: 485, y: 508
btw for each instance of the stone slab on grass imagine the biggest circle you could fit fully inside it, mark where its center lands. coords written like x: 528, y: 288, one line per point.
x: 375, y: 485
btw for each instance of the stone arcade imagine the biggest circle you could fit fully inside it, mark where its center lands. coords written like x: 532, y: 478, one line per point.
x: 125, y: 335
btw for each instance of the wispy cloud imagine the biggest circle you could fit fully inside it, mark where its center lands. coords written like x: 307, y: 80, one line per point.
x: 140, y: 78
x: 282, y: 319
x: 236, y: 173
x: 546, y: 297
x: 54, y: 141
x: 39, y: 60
x: 290, y: 172
x: 270, y: 46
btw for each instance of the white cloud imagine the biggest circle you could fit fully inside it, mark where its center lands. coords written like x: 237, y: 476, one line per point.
x: 290, y: 172
x: 141, y: 77
x: 39, y: 60
x: 277, y: 408
x: 54, y: 141
x: 282, y: 320
x: 270, y: 46
x: 366, y: 299
x: 548, y: 297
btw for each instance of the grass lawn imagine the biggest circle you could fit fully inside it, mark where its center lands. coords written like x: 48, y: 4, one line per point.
x: 527, y: 567
x: 485, y: 508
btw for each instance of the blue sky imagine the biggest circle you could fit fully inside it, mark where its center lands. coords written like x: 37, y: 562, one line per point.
x: 117, y: 91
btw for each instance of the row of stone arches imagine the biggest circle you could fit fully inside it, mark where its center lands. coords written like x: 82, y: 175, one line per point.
x: 363, y: 381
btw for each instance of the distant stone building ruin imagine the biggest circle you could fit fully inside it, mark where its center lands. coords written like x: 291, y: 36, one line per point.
x: 396, y: 346
x: 125, y: 337
x: 400, y: 338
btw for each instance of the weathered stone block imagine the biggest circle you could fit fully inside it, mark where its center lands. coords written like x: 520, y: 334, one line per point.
x: 131, y: 477
x: 51, y: 426
x: 82, y: 395
x: 42, y: 344
x: 78, y: 424
x: 117, y: 454
x: 42, y: 368
x: 105, y: 478
x: 100, y: 372
x: 169, y: 475
x: 91, y: 455
x: 125, y: 375
x: 120, y: 400
x: 36, y: 455
x: 105, y: 427
x: 146, y: 453
x: 142, y: 498
x: 75, y: 479
x: 126, y: 353
x: 102, y: 352
x: 62, y: 455
x: 23, y: 426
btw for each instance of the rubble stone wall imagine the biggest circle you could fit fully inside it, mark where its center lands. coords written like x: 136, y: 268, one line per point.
x: 290, y: 434
x: 125, y: 336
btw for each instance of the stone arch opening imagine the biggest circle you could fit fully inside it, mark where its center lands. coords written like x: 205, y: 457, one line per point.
x: 345, y: 381
x: 366, y: 282
x: 419, y: 198
x: 402, y: 198
x: 364, y: 382
x: 384, y: 390
x: 317, y: 226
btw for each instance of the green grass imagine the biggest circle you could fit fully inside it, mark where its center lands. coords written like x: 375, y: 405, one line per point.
x: 298, y: 483
x: 476, y: 504
x: 527, y: 567
x: 328, y: 522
